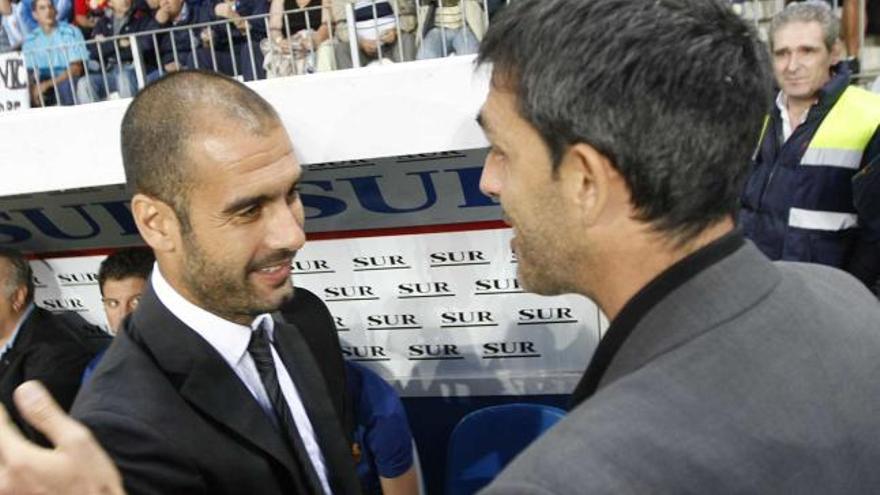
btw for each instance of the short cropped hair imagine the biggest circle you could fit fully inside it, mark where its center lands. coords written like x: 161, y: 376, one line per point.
x: 673, y: 92
x: 168, y: 114
x: 125, y: 263
x: 811, y: 11
x: 35, y: 4
x: 19, y: 274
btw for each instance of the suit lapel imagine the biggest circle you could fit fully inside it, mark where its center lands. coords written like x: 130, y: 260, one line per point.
x: 310, y: 384
x: 205, y: 380
x: 710, y: 298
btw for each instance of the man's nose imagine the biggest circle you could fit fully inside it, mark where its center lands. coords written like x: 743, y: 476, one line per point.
x: 285, y: 229
x: 490, y: 181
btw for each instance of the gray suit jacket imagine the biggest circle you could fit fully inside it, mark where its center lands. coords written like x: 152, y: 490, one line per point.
x: 751, y: 377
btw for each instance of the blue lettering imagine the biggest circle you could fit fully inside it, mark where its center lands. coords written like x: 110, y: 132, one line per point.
x: 370, y: 195
x: 48, y: 227
x: 11, y: 234
x: 327, y: 206
x: 470, y: 187
x: 121, y: 212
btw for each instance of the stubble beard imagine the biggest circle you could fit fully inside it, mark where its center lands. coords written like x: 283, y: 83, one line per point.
x: 221, y: 291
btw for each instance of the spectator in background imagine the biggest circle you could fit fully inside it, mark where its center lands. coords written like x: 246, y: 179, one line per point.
x: 376, y: 30
x: 169, y: 52
x: 122, y: 279
x: 12, y: 28
x: 111, y: 69
x: 236, y: 44
x: 452, y: 26
x: 850, y: 31
x: 54, y: 55
x: 5, y: 41
x: 299, y: 42
x: 34, y: 343
x: 63, y: 10
x: 798, y: 202
x: 383, y: 446
x: 87, y: 13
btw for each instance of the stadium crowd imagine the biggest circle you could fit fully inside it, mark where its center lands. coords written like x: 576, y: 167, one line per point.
x: 87, y: 51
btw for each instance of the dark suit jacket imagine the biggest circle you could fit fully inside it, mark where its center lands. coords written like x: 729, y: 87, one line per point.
x: 309, y: 313
x: 176, y: 419
x: 53, y: 349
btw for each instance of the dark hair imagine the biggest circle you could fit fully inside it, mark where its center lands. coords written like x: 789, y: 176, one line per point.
x: 169, y: 114
x: 19, y: 274
x: 125, y: 263
x: 673, y: 92
x: 35, y: 2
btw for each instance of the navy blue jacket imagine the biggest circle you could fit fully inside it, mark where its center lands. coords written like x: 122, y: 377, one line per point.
x: 137, y: 21
x: 778, y: 182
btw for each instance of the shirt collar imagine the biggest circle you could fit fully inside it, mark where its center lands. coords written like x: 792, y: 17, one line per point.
x: 228, y: 338
x: 24, y: 316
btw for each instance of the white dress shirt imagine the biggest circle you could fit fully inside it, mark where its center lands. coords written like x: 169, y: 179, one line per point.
x: 787, y: 127
x: 231, y: 341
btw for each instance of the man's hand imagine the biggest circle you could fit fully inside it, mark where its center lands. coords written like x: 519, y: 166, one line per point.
x: 163, y: 14
x: 368, y: 46
x: 388, y: 37
x: 77, y: 465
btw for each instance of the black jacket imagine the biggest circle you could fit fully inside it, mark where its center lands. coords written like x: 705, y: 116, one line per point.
x: 53, y: 349
x: 176, y: 419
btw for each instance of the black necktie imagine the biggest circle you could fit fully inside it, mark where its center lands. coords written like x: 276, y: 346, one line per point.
x: 260, y: 351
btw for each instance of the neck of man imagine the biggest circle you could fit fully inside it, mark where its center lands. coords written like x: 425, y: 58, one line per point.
x: 797, y: 108
x: 639, y: 256
x: 48, y: 28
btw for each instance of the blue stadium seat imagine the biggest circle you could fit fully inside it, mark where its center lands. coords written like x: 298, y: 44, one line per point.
x: 486, y: 440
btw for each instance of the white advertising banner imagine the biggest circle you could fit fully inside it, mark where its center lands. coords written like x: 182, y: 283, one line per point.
x: 14, y: 93
x: 438, y: 314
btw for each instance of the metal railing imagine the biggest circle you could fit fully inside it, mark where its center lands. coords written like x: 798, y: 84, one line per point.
x: 233, y: 46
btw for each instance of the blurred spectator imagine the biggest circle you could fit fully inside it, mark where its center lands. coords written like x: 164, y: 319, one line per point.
x: 63, y: 10
x: 5, y: 11
x: 850, y: 31
x: 169, y: 52
x: 34, y: 343
x: 383, y: 446
x: 452, y: 26
x: 798, y: 203
x: 86, y: 14
x: 236, y: 44
x: 122, y: 279
x: 54, y: 55
x: 12, y: 29
x: 300, y: 41
x: 117, y: 74
x: 376, y: 27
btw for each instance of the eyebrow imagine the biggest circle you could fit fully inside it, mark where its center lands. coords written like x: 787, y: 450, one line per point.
x: 242, y: 203
x: 248, y: 201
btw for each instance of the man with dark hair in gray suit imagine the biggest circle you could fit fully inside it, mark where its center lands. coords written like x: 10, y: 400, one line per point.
x: 618, y: 161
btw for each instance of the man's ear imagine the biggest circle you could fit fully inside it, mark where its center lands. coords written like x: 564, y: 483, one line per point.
x: 837, y: 50
x: 588, y: 177
x: 157, y: 222
x: 19, y: 298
